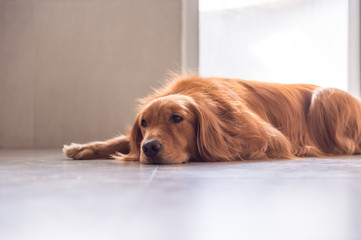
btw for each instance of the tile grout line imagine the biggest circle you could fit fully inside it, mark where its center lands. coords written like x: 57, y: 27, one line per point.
x: 152, y: 176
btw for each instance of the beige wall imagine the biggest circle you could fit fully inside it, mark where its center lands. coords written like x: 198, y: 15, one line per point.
x: 71, y: 70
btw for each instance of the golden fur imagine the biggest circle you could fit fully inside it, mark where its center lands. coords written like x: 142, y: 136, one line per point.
x: 232, y: 119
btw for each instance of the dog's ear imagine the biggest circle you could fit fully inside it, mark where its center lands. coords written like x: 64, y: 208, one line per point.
x: 226, y: 132
x: 135, y: 138
x: 212, y: 141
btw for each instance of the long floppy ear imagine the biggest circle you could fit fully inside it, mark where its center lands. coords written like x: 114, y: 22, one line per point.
x: 226, y: 132
x: 135, y: 138
x: 212, y: 142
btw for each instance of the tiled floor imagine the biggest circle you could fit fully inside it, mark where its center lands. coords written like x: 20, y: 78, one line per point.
x: 45, y: 196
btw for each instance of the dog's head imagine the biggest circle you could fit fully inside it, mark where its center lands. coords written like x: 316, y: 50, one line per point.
x: 177, y: 128
x: 164, y: 131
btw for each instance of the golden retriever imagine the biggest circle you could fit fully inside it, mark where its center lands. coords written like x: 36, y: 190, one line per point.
x: 217, y: 119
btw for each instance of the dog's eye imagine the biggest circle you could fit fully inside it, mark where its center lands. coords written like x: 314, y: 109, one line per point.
x: 176, y: 118
x: 144, y: 123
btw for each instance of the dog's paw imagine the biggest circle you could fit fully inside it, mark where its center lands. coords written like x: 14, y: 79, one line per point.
x: 78, y: 151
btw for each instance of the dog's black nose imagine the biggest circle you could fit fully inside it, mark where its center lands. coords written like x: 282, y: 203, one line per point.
x: 151, y: 148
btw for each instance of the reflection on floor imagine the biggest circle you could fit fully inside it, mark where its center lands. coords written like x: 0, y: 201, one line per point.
x: 46, y: 196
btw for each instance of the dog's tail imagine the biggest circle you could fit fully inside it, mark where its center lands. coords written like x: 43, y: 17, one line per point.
x: 335, y: 121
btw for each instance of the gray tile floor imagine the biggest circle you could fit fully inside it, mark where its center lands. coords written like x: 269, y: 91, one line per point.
x: 45, y: 196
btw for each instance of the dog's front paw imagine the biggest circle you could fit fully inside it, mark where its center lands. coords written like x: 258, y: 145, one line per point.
x: 78, y: 151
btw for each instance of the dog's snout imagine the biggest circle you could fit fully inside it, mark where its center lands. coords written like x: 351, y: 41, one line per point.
x: 151, y: 148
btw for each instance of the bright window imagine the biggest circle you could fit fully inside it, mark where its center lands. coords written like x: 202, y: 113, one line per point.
x: 287, y: 41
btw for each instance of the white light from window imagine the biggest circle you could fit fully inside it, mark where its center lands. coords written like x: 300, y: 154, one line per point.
x: 289, y: 41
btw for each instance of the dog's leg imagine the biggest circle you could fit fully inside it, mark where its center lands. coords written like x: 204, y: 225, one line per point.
x: 97, y: 150
x: 335, y: 121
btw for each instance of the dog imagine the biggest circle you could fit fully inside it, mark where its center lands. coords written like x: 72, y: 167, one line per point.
x: 217, y: 119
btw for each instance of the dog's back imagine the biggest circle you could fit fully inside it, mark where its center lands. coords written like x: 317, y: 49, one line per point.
x: 317, y: 121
